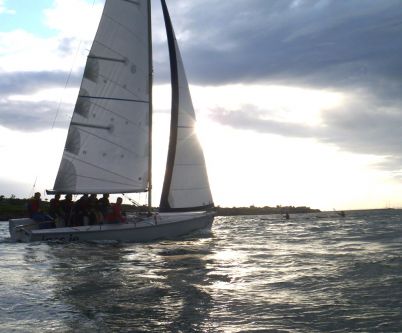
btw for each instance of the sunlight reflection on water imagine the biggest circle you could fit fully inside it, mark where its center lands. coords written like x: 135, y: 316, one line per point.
x: 308, y: 274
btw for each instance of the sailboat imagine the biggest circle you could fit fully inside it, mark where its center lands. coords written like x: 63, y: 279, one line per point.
x: 109, y: 142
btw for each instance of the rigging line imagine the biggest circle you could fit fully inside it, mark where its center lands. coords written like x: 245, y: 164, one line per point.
x: 33, y: 187
x: 135, y: 203
x: 68, y: 78
x: 66, y: 84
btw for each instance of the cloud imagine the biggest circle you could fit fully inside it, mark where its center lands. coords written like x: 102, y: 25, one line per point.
x: 349, y: 47
x: 330, y: 43
x: 4, y: 9
x: 32, y: 116
x: 19, y: 110
x: 364, y: 126
x: 26, y: 83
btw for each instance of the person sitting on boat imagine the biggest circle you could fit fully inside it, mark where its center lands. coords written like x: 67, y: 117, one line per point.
x: 104, y: 205
x: 55, y: 210
x: 66, y: 206
x: 95, y: 216
x: 81, y: 211
x: 35, y: 209
x: 116, y: 216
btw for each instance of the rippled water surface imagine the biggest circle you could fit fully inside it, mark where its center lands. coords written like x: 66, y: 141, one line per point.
x: 312, y: 273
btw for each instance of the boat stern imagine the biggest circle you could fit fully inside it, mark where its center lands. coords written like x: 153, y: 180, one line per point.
x: 17, y: 229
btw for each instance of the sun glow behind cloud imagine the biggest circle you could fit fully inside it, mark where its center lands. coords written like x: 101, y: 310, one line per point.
x: 265, y: 143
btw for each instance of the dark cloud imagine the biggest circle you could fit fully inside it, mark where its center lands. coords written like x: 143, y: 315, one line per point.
x: 325, y: 43
x: 33, y: 116
x: 21, y: 83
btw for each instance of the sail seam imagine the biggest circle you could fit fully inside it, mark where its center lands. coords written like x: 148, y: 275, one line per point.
x: 108, y: 181
x: 134, y: 2
x: 117, y: 114
x: 188, y: 189
x: 97, y: 167
x: 189, y: 164
x: 118, y: 84
x: 111, y: 142
x: 144, y: 43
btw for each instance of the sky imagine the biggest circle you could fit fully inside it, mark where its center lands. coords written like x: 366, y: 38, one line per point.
x: 298, y: 101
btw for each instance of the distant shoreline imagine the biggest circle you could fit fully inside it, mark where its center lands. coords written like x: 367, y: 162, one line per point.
x: 16, y: 208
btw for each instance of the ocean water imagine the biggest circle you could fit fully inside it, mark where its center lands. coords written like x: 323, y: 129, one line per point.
x: 312, y: 273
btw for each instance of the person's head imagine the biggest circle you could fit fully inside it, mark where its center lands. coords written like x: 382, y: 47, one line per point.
x: 106, y: 195
x: 37, y: 195
x: 69, y: 197
x: 119, y: 200
x: 57, y: 196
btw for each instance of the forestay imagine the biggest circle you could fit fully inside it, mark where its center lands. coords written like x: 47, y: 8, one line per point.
x: 186, y: 185
x: 107, y: 144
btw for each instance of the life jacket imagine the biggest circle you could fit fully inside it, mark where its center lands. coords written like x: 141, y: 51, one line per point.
x: 33, y: 206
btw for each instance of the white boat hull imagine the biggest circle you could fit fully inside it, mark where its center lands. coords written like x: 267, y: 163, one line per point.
x: 160, y: 226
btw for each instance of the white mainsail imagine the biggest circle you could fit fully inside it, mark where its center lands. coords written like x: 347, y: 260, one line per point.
x: 186, y: 185
x: 107, y: 147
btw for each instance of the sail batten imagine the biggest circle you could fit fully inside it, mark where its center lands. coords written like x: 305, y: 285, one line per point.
x: 113, y: 99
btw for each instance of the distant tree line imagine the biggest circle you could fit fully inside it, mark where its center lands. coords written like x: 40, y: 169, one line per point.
x: 13, y: 207
x: 252, y: 210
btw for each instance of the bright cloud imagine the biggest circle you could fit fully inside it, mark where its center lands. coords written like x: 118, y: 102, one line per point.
x: 4, y: 9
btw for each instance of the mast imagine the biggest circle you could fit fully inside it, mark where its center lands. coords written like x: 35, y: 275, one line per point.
x: 150, y: 110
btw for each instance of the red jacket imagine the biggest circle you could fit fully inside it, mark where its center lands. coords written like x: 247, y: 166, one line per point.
x: 33, y: 207
x: 115, y: 215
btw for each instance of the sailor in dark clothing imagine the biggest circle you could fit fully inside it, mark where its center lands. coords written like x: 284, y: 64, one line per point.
x: 81, y: 210
x: 55, y: 210
x: 104, y: 205
x: 95, y: 217
x: 66, y: 206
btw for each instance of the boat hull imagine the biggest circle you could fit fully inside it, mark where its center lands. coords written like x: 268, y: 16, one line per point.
x: 160, y: 226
